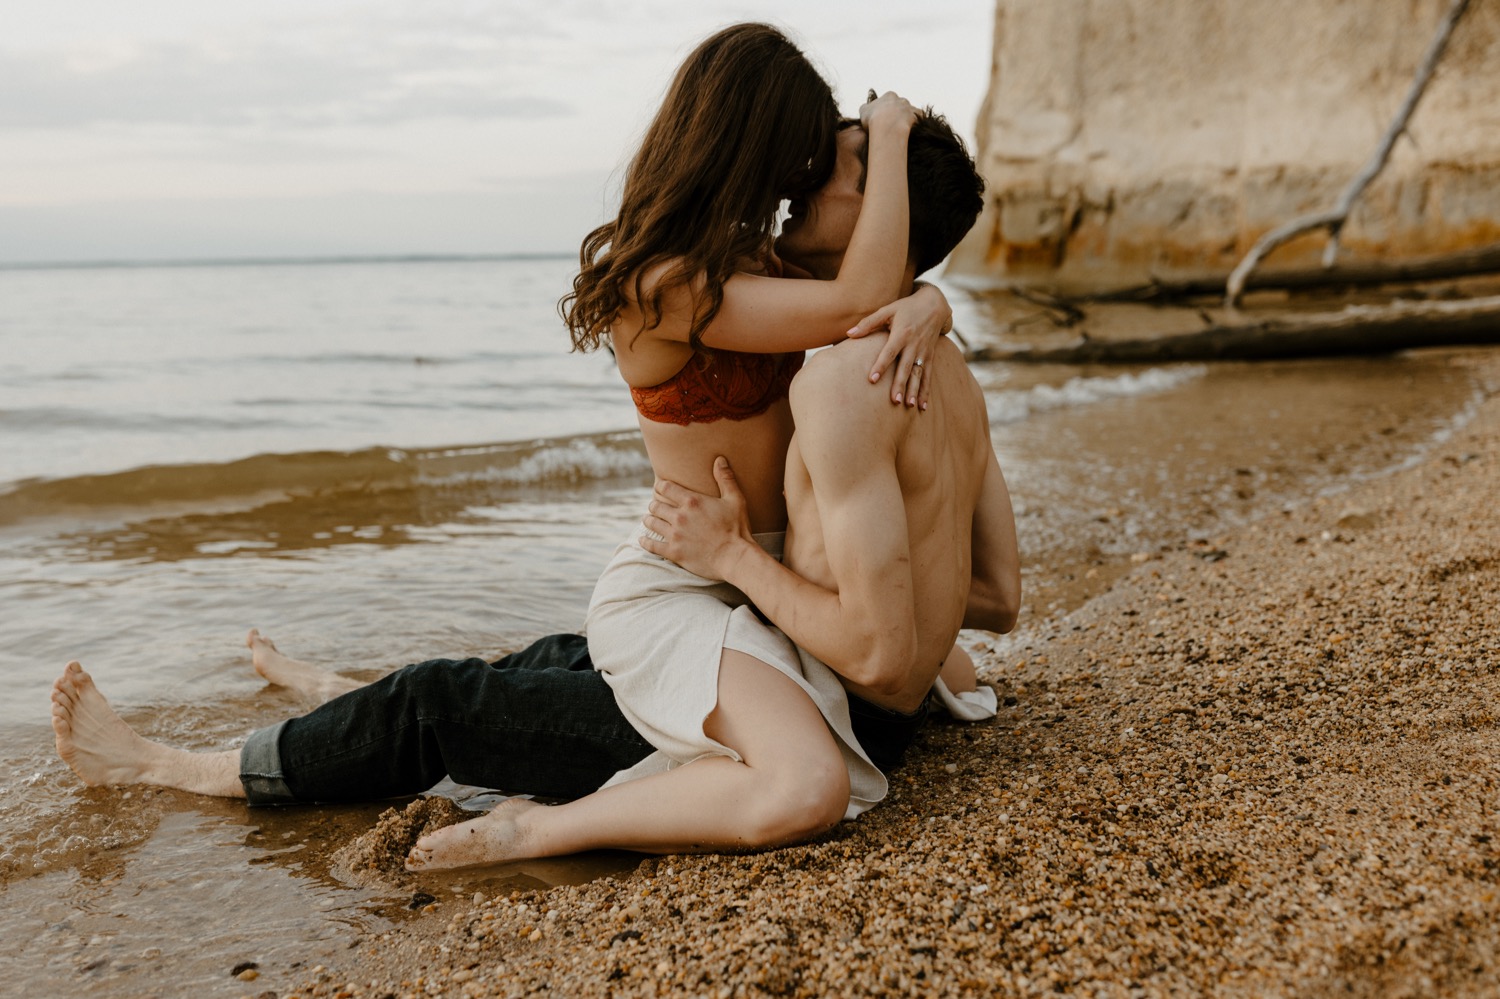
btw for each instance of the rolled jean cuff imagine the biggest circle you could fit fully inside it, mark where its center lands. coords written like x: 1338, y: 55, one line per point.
x: 260, y: 768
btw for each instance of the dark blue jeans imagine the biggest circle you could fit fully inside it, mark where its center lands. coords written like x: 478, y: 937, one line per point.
x: 540, y: 721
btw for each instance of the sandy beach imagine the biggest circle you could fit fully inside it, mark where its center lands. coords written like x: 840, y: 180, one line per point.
x: 1263, y: 765
x: 287, y: 343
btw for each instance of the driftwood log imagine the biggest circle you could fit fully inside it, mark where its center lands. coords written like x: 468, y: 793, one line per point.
x: 1357, y: 329
x: 1353, y: 274
x: 1334, y: 218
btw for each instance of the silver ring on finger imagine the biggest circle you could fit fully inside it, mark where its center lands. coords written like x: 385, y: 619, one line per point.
x: 918, y: 362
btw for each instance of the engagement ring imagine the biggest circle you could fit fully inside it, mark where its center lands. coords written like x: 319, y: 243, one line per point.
x: 919, y: 362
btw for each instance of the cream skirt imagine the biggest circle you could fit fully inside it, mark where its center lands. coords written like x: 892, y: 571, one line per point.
x: 657, y: 633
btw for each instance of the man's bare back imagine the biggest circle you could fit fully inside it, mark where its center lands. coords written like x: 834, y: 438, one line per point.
x: 900, y: 533
x: 939, y: 458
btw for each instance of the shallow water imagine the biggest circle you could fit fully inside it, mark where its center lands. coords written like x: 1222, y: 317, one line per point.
x: 378, y: 533
x: 112, y: 368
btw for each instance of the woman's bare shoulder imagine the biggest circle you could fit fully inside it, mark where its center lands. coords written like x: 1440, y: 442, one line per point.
x: 667, y: 273
x: 657, y: 276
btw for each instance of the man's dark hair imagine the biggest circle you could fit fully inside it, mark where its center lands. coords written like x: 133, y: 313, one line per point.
x: 946, y: 192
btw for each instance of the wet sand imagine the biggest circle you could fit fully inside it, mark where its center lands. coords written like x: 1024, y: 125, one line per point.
x: 1261, y: 765
x: 376, y: 858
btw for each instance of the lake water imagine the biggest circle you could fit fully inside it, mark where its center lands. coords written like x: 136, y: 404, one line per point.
x: 382, y: 462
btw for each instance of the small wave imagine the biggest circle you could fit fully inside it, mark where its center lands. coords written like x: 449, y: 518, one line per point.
x: 542, y: 463
x: 1016, y: 405
x: 558, y: 461
x: 208, y: 482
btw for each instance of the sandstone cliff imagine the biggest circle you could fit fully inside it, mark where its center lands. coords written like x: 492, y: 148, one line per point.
x: 1133, y: 139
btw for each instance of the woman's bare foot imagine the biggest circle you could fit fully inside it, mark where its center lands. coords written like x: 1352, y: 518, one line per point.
x: 305, y: 678
x: 102, y: 749
x: 490, y: 839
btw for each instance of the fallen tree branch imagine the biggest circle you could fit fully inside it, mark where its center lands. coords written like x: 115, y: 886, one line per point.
x: 1358, y: 329
x: 1333, y: 220
x: 1357, y: 274
x: 1059, y: 310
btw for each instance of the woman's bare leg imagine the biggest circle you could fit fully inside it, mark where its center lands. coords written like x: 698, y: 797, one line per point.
x: 793, y: 784
x: 102, y: 749
x: 311, y: 681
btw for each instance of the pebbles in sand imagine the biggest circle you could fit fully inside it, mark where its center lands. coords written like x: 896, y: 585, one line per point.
x: 1274, y: 772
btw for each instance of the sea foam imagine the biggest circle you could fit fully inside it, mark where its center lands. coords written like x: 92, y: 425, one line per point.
x: 1013, y: 406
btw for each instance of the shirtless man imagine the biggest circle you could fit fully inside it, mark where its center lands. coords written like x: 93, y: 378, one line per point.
x: 898, y: 549
x: 900, y: 527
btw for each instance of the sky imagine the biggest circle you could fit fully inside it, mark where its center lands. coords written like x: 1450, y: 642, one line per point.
x: 190, y: 129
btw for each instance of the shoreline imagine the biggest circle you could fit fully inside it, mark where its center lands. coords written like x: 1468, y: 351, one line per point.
x: 1264, y: 766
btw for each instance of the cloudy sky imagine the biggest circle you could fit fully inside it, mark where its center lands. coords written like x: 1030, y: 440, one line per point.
x: 168, y: 129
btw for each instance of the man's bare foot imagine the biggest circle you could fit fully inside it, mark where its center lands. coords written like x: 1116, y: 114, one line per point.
x: 91, y: 738
x: 490, y: 839
x: 305, y: 678
x: 102, y: 749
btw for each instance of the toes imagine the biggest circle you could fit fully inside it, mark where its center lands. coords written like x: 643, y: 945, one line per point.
x: 62, y: 712
x: 258, y: 642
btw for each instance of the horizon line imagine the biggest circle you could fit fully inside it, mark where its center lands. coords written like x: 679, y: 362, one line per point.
x: 274, y: 261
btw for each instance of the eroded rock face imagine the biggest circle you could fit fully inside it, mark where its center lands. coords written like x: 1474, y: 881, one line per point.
x: 1142, y: 138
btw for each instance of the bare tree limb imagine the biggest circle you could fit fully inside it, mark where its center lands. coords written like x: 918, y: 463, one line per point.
x: 1333, y: 220
x: 1358, y: 329
x: 1352, y: 274
x: 1060, y: 310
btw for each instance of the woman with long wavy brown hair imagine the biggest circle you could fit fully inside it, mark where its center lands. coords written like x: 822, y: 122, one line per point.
x: 684, y: 287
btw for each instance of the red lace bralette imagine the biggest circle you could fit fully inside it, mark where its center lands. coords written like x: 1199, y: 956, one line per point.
x: 719, y: 385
